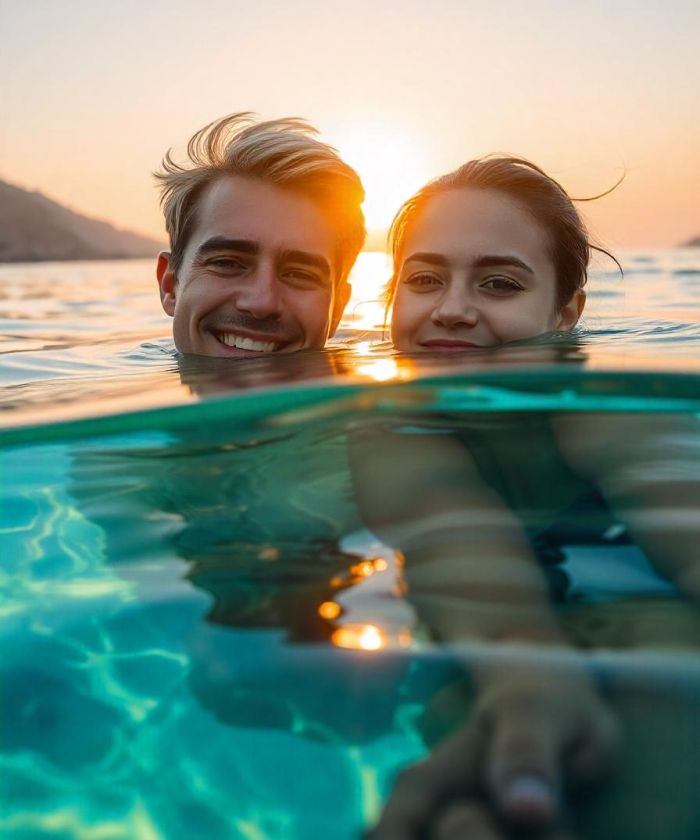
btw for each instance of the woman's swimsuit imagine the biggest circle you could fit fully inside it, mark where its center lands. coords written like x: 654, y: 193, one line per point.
x: 517, y: 455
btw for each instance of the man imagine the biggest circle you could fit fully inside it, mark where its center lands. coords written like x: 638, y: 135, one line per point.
x: 264, y: 225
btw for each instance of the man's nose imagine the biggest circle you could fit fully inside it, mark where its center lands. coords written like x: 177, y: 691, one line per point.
x: 455, y: 307
x: 259, y: 296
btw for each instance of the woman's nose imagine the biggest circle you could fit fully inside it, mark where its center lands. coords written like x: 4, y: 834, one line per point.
x: 455, y: 308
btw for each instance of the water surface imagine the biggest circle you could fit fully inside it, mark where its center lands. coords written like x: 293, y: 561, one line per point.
x: 200, y: 635
x: 80, y: 339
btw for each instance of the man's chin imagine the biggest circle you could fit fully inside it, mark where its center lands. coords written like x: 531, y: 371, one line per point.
x: 240, y: 353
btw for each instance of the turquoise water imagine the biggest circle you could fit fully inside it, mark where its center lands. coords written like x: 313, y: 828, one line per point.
x: 111, y: 678
x: 170, y: 530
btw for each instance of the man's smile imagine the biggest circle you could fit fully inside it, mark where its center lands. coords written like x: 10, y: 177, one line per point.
x: 242, y: 342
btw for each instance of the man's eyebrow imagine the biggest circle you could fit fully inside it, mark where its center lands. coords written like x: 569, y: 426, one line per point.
x: 306, y: 258
x: 224, y: 243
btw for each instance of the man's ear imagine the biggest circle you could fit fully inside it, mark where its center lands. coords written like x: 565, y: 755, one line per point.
x: 340, y: 301
x: 167, y: 282
x: 571, y: 312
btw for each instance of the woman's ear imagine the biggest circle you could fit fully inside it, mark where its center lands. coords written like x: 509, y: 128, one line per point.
x: 167, y: 282
x: 571, y: 312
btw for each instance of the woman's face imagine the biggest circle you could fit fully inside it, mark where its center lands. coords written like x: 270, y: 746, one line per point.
x: 476, y: 272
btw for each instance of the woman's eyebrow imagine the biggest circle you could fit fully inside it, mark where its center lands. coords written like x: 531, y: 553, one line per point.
x: 496, y: 260
x: 485, y: 261
x: 426, y: 257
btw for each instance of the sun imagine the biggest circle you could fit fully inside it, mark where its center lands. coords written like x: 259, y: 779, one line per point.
x: 392, y: 167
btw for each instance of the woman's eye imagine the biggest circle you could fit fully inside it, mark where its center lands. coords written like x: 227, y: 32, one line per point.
x: 502, y: 285
x: 422, y: 281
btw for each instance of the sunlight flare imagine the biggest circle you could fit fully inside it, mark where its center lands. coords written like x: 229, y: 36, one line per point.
x: 392, y: 167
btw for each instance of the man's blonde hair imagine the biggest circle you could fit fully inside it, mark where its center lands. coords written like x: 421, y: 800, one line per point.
x: 284, y: 152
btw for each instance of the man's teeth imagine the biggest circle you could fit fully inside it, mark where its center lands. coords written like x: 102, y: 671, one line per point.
x: 243, y: 343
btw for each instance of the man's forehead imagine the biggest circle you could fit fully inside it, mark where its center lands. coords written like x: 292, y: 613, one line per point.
x: 240, y: 208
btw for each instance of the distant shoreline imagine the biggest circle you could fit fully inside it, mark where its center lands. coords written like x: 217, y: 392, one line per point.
x: 34, y: 228
x: 37, y: 260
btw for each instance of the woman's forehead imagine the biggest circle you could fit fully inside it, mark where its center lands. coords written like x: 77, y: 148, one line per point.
x: 464, y: 223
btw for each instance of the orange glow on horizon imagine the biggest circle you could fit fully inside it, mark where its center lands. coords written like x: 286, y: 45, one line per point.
x: 392, y: 166
x: 398, y: 95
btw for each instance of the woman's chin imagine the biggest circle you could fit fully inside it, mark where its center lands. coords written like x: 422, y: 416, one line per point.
x: 447, y: 346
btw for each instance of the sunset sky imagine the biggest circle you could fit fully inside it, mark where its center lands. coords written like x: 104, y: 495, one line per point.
x: 94, y: 91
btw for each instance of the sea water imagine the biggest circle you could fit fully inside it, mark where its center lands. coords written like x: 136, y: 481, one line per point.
x: 201, y: 637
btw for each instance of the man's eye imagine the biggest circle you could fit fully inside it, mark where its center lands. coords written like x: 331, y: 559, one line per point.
x: 226, y: 264
x: 501, y: 285
x: 423, y: 281
x: 301, y: 277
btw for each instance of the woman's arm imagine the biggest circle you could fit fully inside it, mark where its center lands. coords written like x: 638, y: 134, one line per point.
x: 469, y: 567
x: 647, y: 466
x: 537, y: 727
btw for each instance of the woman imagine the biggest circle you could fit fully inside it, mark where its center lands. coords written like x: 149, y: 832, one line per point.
x: 496, y: 252
x: 492, y: 253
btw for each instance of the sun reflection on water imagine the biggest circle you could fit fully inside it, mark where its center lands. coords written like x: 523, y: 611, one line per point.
x: 329, y: 610
x: 364, y: 616
x: 359, y: 637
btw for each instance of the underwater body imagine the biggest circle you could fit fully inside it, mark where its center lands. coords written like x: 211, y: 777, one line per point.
x: 200, y: 635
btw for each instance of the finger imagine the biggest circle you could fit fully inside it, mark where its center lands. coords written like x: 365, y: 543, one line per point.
x: 421, y: 791
x: 529, y: 800
x: 596, y: 753
x: 523, y: 770
x: 465, y: 821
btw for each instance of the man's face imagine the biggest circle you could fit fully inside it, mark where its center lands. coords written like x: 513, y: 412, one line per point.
x: 257, y: 276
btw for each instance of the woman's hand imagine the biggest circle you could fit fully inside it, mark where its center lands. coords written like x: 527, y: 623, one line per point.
x: 533, y: 740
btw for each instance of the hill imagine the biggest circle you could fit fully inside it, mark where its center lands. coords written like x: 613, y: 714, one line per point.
x: 34, y: 228
x: 691, y: 243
